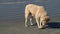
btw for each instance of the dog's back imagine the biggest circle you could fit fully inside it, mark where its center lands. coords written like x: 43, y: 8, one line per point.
x: 32, y: 8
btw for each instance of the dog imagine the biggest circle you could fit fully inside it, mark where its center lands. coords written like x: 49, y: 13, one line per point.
x: 38, y: 12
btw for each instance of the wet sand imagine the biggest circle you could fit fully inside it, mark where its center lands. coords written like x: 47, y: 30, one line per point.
x: 12, y: 19
x: 15, y: 26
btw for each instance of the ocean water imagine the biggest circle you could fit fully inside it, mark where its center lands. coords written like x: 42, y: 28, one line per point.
x: 14, y: 9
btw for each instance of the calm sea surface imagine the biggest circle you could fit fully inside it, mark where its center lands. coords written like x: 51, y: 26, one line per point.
x: 12, y: 9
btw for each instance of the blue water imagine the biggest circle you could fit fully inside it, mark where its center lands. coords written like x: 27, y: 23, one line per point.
x: 16, y: 10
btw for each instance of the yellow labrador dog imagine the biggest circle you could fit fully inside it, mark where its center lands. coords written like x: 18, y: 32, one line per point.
x: 39, y: 14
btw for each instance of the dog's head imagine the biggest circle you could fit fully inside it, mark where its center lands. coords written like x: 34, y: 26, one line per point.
x: 46, y: 18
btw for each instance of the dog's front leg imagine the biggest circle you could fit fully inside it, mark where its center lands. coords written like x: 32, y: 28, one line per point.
x: 37, y: 20
x: 40, y: 23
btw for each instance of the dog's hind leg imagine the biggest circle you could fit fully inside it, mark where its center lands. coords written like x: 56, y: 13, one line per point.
x: 31, y: 20
x: 26, y: 18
